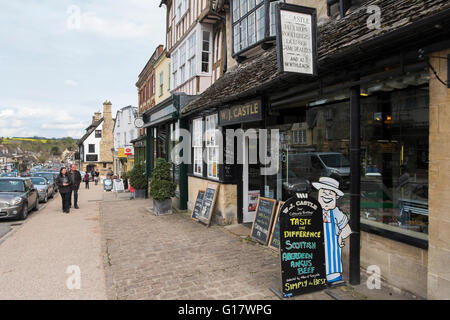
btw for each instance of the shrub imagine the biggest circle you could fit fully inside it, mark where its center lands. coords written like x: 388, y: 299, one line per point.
x: 137, y: 177
x: 161, y: 185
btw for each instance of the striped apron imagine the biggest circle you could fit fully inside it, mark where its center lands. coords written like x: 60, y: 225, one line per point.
x: 332, y: 249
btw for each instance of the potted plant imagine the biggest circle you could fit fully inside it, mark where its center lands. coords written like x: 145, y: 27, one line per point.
x: 138, y: 181
x: 162, y: 187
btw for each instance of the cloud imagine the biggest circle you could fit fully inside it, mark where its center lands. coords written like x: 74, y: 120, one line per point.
x: 25, y: 118
x: 70, y: 83
x: 91, y: 22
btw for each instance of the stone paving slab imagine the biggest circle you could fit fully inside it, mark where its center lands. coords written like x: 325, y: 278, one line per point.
x: 34, y: 261
x: 174, y: 257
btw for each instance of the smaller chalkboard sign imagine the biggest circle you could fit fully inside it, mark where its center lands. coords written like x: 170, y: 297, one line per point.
x: 263, y: 219
x: 274, y: 241
x: 208, y: 203
x: 198, y: 205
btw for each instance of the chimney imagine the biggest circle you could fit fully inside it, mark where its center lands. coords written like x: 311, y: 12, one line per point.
x: 97, y: 116
x: 107, y: 115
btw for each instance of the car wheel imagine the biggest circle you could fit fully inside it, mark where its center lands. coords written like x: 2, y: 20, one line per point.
x: 46, y: 198
x: 24, y: 214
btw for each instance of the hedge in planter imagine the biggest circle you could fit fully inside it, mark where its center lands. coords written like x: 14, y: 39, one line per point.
x: 161, y: 185
x: 137, y: 179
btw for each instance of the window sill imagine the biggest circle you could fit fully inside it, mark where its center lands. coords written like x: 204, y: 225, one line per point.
x: 369, y: 227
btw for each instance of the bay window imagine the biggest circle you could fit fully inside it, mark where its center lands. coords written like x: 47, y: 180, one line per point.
x: 206, y: 51
x: 191, y: 55
x: 197, y: 145
x: 212, y: 146
x: 175, y: 68
x: 249, y: 23
x: 182, y: 63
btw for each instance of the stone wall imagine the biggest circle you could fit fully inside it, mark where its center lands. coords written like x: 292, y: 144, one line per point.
x: 402, y: 266
x: 439, y: 177
x: 225, y: 209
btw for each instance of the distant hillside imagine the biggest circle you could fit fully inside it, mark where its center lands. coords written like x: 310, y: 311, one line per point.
x: 43, y: 148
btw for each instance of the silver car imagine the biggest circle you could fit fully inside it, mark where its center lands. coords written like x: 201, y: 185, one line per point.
x: 17, y: 197
x: 44, y: 187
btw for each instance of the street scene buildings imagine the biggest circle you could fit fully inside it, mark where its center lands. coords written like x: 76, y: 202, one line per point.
x: 236, y: 126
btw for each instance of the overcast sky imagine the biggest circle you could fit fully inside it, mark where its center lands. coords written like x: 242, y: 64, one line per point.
x: 60, y: 60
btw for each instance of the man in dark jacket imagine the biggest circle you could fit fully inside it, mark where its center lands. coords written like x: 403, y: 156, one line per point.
x: 75, y: 178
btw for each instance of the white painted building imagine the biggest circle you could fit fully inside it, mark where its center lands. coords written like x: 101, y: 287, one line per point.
x: 195, y: 42
x: 124, y: 131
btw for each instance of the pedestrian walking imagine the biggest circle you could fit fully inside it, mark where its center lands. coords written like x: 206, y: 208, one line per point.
x: 64, y: 187
x: 75, y: 179
x: 96, y: 176
x: 86, y: 180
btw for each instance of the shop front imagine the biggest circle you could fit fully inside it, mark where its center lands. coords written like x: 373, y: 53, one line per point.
x: 363, y: 122
x: 162, y: 126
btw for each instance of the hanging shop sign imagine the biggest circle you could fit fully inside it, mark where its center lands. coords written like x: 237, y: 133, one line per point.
x: 128, y: 151
x: 248, y: 112
x: 302, y: 250
x: 296, y: 39
x: 121, y: 153
x: 92, y: 157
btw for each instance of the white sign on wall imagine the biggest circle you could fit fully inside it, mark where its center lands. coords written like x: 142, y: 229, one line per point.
x: 296, y: 39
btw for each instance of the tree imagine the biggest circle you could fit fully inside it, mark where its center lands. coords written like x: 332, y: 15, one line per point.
x: 55, y: 151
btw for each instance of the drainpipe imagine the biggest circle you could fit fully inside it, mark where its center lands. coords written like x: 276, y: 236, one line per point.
x: 355, y: 183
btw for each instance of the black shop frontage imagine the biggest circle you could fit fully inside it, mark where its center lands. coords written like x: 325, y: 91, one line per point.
x: 363, y: 122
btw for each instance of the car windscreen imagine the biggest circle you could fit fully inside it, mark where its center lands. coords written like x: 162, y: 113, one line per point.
x: 49, y: 176
x: 11, y: 186
x: 335, y: 160
x: 38, y: 182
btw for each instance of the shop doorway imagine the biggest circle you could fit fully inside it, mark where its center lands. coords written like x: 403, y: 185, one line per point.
x: 251, y: 179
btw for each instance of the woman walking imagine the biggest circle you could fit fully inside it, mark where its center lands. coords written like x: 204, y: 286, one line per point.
x: 64, y: 184
x: 86, y: 180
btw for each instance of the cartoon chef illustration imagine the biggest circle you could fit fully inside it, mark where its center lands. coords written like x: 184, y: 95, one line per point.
x: 335, y: 226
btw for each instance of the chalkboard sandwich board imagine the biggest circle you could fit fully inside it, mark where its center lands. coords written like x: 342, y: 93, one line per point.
x: 209, y: 201
x: 263, y: 220
x: 302, y: 250
x: 274, y: 241
x: 198, y: 205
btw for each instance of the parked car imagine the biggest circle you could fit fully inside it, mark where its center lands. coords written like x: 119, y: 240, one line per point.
x: 50, y: 176
x: 17, y: 197
x: 8, y: 174
x: 44, y: 187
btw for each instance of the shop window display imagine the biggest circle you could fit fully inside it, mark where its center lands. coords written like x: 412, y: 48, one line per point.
x: 394, y: 157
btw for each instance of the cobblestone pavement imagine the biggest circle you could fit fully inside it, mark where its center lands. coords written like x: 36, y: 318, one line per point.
x: 174, y: 257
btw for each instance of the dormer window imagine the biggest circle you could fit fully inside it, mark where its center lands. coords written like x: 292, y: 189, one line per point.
x: 253, y: 23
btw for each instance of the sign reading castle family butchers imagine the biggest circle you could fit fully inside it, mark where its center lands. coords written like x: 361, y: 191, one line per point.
x: 247, y: 112
x: 296, y: 39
